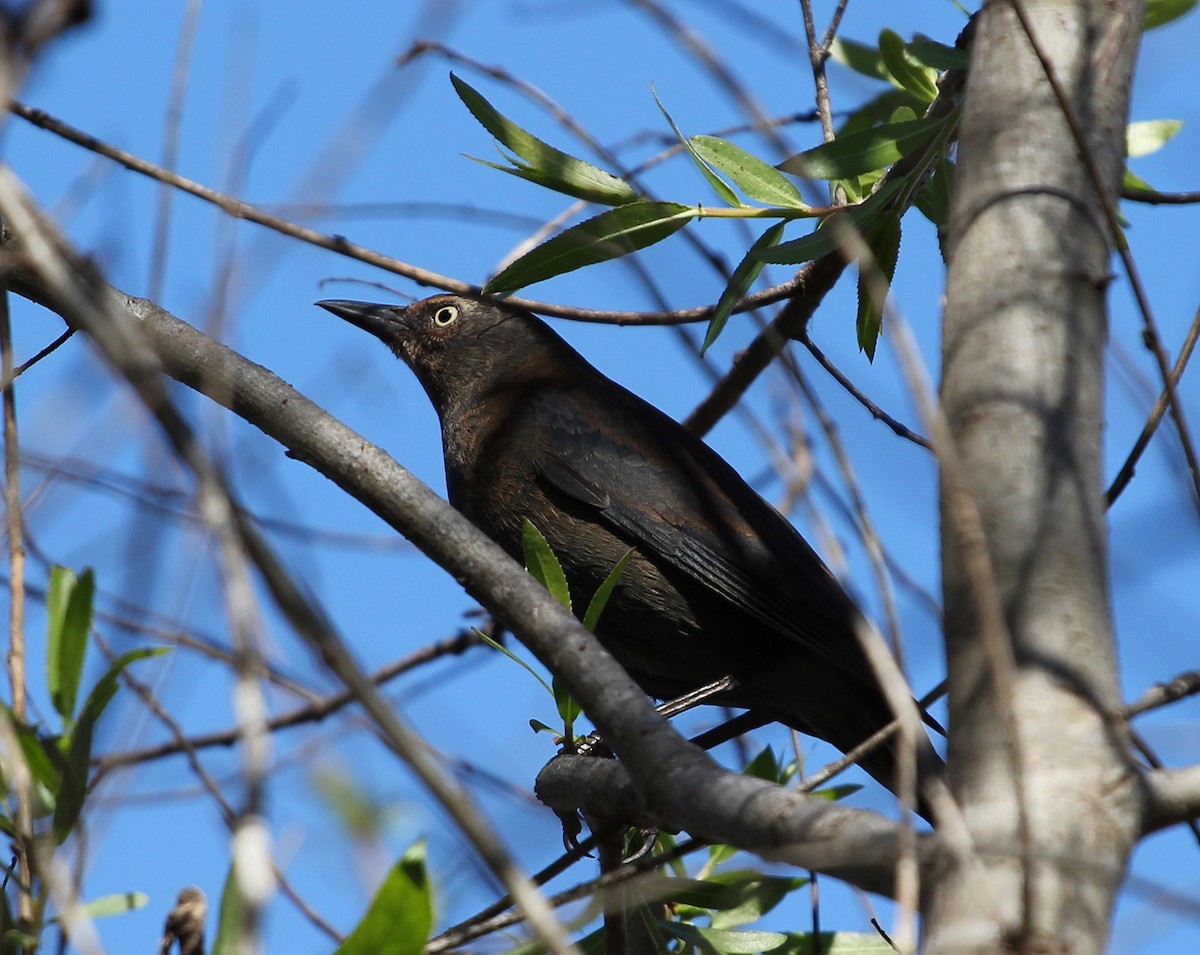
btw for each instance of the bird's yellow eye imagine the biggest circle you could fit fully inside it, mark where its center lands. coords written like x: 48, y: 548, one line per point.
x: 445, y: 316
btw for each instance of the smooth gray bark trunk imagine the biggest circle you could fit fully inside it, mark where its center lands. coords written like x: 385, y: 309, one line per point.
x: 1037, y: 760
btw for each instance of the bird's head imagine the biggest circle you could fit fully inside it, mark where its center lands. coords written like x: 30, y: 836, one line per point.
x: 462, y: 347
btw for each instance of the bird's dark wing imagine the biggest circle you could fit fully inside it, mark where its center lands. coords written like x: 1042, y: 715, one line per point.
x: 666, y: 492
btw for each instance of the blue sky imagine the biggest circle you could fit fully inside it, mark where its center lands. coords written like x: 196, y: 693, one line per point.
x: 300, y: 89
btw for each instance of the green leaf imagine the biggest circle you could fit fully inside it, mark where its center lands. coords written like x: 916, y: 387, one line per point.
x: 934, y: 199
x: 938, y: 56
x: 755, y: 178
x: 400, y: 916
x: 836, y: 943
x: 542, y: 163
x: 757, y: 894
x: 825, y: 239
x: 724, y: 941
x: 601, y: 597
x: 44, y: 761
x: 568, y: 709
x: 903, y: 70
x: 232, y: 916
x: 609, y: 235
x: 1133, y: 183
x: 883, y: 238
x: 877, y: 110
x: 764, y: 766
x: 73, y: 787
x: 859, y: 152
x: 838, y: 793
x: 858, y: 57
x: 739, y: 283
x: 1159, y: 12
x: 105, y: 905
x: 500, y: 648
x: 719, y: 185
x: 1149, y: 136
x: 543, y: 565
x: 69, y: 620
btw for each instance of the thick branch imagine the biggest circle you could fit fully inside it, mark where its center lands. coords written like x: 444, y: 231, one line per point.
x: 675, y: 780
x: 1172, y: 797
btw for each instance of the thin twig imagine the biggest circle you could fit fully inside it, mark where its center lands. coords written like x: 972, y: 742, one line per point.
x: 16, y: 608
x: 312, y: 713
x: 1125, y: 474
x: 160, y: 241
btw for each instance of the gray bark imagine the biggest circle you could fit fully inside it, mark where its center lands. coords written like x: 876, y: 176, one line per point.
x: 1037, y: 759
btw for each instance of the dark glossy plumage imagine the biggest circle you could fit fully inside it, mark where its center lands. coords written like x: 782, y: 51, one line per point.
x: 720, y: 583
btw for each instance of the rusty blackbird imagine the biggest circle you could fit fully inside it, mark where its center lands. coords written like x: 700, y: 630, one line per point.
x: 720, y: 583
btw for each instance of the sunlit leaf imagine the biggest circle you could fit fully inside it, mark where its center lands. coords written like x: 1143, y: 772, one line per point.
x: 904, y: 71
x: 107, y: 905
x: 719, y: 185
x: 400, y: 916
x: 541, y: 162
x: 1149, y: 136
x: 543, y: 565
x: 1159, y: 12
x: 604, y: 592
x: 938, y: 56
x: 69, y: 620
x: 858, y: 57
x: 862, y: 151
x: 758, y: 180
x: 724, y: 941
x: 609, y: 235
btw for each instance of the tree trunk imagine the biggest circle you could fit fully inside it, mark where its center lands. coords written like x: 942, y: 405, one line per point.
x: 1037, y: 760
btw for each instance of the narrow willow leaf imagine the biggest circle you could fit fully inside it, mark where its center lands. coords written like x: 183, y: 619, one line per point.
x: 601, y: 597
x: 877, y: 110
x: 934, y: 199
x: 838, y: 793
x: 400, y: 916
x: 568, y: 709
x: 541, y: 562
x: 501, y: 648
x: 69, y: 621
x: 757, y: 895
x: 105, y: 905
x: 883, y: 238
x: 1159, y: 12
x: 765, y: 766
x: 905, y: 72
x: 858, y: 57
x: 755, y: 178
x: 723, y: 941
x: 824, y: 240
x: 860, y: 152
x: 739, y: 283
x: 938, y: 56
x: 1135, y: 183
x: 543, y: 163
x: 719, y: 185
x: 609, y: 235
x: 232, y: 916
x: 1149, y: 136
x: 73, y: 786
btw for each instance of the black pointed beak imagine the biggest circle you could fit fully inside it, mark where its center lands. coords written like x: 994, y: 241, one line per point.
x: 385, y: 322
